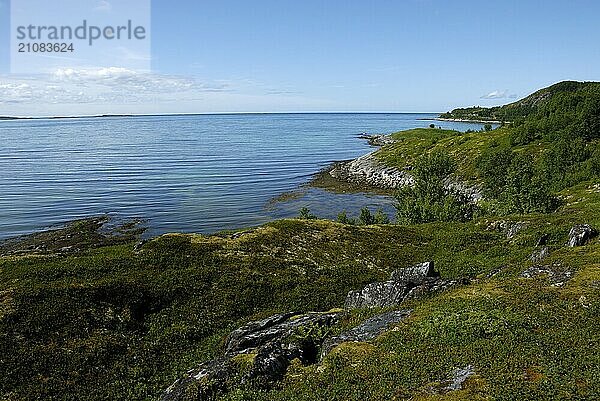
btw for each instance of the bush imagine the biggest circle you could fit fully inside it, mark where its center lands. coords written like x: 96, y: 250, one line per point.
x: 344, y: 219
x: 523, y: 134
x: 513, y: 182
x: 381, y: 218
x: 524, y: 191
x: 366, y: 218
x: 430, y: 198
x: 305, y: 214
x: 561, y: 164
x: 493, y: 165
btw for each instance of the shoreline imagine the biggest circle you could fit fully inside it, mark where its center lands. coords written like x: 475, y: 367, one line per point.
x: 368, y: 174
x: 363, y: 174
x: 463, y: 120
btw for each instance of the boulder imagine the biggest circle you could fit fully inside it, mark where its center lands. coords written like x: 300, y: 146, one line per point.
x: 415, y: 274
x: 411, y: 282
x: 383, y: 294
x: 509, y: 228
x: 267, y: 346
x: 202, y: 383
x: 459, y: 376
x: 434, y: 285
x: 539, y: 254
x: 556, y: 277
x: 580, y: 234
x: 543, y: 240
x: 367, y: 331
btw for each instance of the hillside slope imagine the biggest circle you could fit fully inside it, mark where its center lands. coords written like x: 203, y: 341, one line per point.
x: 541, y: 100
x: 514, y: 315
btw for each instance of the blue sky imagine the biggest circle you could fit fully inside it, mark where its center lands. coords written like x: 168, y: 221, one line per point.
x: 328, y: 55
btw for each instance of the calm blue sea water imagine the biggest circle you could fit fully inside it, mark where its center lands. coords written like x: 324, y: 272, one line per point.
x: 200, y: 173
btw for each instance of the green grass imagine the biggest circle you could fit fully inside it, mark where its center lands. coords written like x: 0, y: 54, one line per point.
x: 109, y: 323
x: 464, y: 148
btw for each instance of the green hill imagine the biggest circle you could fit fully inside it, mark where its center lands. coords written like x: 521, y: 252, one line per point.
x: 581, y: 100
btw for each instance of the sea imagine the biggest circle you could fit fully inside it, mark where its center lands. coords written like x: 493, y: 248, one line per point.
x: 184, y: 173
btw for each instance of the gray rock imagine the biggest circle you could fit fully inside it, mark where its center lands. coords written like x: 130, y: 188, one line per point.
x: 509, y: 228
x: 274, y: 328
x: 459, y: 376
x: 383, y: 294
x: 415, y: 274
x: 266, y: 342
x: 434, y: 285
x: 377, y: 140
x: 203, y: 383
x: 543, y: 240
x: 539, y: 254
x: 369, y: 170
x: 556, y: 277
x: 367, y: 331
x: 412, y: 282
x: 270, y: 364
x: 580, y: 234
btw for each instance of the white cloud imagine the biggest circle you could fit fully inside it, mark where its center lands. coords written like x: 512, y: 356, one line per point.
x: 116, y: 90
x: 101, y: 86
x: 496, y: 95
x: 103, y: 6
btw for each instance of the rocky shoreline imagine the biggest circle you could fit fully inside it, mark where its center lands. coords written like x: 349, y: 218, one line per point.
x: 368, y: 171
x: 465, y: 120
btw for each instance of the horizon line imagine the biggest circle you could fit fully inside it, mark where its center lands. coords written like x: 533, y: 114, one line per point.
x: 108, y: 115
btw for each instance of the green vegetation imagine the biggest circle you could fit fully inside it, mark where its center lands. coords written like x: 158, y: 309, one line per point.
x: 88, y: 316
x: 565, y: 99
x: 430, y: 199
x: 110, y: 323
x: 552, y: 143
x: 305, y: 214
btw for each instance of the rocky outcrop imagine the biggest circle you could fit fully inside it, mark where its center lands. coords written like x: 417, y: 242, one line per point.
x: 258, y: 353
x: 273, y: 329
x: 458, y: 377
x: 377, y: 140
x: 540, y: 254
x: 415, y: 274
x: 580, y: 234
x: 509, y: 228
x: 557, y: 277
x: 367, y: 331
x: 405, y: 283
x: 370, y: 171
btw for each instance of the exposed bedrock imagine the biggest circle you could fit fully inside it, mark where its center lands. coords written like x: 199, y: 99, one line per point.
x: 370, y: 171
x: 259, y: 353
